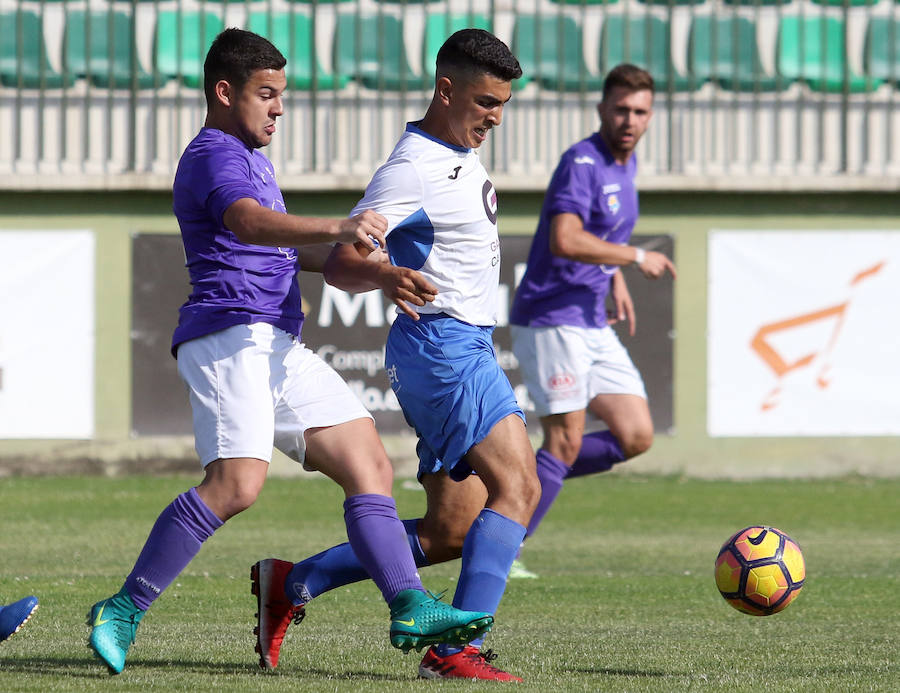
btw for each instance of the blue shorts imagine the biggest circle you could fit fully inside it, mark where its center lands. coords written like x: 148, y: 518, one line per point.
x: 451, y: 388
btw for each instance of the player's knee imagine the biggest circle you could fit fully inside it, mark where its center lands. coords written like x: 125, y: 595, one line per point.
x: 527, y: 491
x: 564, y: 446
x: 237, y: 499
x: 382, y: 470
x: 637, y: 442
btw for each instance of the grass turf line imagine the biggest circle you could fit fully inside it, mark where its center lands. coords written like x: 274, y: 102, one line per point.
x: 626, y: 599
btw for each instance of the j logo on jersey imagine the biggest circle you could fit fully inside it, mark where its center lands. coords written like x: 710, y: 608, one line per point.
x: 613, y: 204
x: 489, y: 198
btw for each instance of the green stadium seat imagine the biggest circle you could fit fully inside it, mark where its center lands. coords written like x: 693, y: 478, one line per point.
x: 100, y: 46
x: 438, y: 27
x: 812, y: 50
x: 672, y: 2
x: 757, y: 3
x: 724, y: 50
x: 23, y: 54
x: 644, y: 41
x: 881, y: 57
x: 841, y: 3
x: 370, y: 49
x: 292, y: 34
x: 550, y: 51
x: 182, y: 40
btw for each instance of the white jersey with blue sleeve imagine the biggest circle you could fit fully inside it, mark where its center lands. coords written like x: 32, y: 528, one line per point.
x: 441, y: 209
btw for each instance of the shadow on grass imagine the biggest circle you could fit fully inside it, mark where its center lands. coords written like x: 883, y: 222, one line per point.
x: 86, y: 667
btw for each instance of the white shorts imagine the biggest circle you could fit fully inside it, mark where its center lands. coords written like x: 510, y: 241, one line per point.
x: 252, y: 386
x: 565, y: 367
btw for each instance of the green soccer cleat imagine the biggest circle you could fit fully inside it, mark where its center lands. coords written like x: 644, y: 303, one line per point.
x: 113, y: 623
x: 420, y: 619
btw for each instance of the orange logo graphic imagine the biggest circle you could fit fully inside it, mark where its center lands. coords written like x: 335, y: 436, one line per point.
x: 779, y: 365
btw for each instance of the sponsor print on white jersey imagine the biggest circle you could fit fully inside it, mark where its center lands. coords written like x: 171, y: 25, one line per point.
x: 441, y: 209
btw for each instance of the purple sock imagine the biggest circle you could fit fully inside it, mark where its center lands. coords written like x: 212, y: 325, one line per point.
x: 551, y: 471
x: 599, y: 452
x: 379, y: 541
x: 175, y: 539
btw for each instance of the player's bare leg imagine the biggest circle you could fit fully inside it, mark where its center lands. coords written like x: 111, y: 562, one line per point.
x: 628, y: 418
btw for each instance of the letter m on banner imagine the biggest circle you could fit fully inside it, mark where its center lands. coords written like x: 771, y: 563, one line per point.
x: 349, y: 306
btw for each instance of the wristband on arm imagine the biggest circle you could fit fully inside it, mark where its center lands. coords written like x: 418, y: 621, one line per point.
x: 639, y: 255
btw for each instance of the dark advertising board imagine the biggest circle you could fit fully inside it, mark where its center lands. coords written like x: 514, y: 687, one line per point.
x: 348, y: 332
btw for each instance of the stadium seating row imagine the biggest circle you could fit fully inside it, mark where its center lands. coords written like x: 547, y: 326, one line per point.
x: 833, y: 3
x: 100, y: 46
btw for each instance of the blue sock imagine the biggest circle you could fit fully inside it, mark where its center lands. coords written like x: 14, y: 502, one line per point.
x: 488, y: 553
x: 339, y: 566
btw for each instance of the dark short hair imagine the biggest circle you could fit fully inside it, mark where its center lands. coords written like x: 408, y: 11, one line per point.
x: 236, y: 54
x: 630, y: 77
x: 472, y: 52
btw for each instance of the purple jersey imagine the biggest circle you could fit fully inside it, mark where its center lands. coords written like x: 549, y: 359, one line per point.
x: 234, y: 283
x: 556, y: 291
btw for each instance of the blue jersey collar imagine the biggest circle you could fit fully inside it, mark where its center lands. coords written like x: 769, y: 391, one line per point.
x: 414, y: 128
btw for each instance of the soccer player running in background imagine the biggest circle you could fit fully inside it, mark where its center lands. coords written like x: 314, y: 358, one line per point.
x: 14, y: 616
x: 444, y: 252
x: 570, y: 358
x: 250, y: 378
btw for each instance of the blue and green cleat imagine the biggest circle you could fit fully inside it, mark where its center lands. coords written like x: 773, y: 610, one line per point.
x: 14, y: 616
x: 113, y: 623
x: 420, y: 619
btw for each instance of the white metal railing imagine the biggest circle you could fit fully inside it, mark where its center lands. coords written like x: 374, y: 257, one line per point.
x: 824, y: 124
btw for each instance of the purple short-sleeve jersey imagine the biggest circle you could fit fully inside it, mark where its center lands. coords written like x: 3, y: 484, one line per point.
x: 234, y: 283
x: 556, y: 291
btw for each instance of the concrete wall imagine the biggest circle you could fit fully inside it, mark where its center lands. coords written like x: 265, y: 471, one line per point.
x: 114, y: 216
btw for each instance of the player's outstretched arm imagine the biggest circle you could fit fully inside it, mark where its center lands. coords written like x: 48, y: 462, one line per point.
x: 568, y: 239
x: 257, y: 225
x: 654, y: 264
x: 353, y: 268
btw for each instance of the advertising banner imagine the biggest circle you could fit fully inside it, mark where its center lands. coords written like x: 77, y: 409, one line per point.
x: 46, y: 334
x: 348, y: 332
x: 803, y: 333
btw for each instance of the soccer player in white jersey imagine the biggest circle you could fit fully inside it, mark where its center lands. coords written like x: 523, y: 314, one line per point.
x: 571, y: 359
x: 253, y: 383
x: 444, y: 253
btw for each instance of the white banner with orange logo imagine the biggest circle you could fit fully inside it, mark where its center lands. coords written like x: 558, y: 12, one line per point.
x: 46, y: 334
x: 803, y: 333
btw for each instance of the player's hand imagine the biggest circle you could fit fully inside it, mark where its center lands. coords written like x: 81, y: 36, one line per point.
x: 406, y: 286
x: 656, y: 265
x: 623, y: 306
x: 367, y: 229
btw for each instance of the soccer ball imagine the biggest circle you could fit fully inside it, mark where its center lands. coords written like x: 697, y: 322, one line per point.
x: 760, y: 570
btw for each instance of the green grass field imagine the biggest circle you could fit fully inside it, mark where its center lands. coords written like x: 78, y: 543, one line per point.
x: 626, y: 599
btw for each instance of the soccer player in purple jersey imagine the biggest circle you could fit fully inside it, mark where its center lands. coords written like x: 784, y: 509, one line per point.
x: 570, y: 358
x: 251, y: 380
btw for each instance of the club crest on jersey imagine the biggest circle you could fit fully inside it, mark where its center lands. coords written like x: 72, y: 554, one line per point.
x: 612, y: 202
x: 489, y: 198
